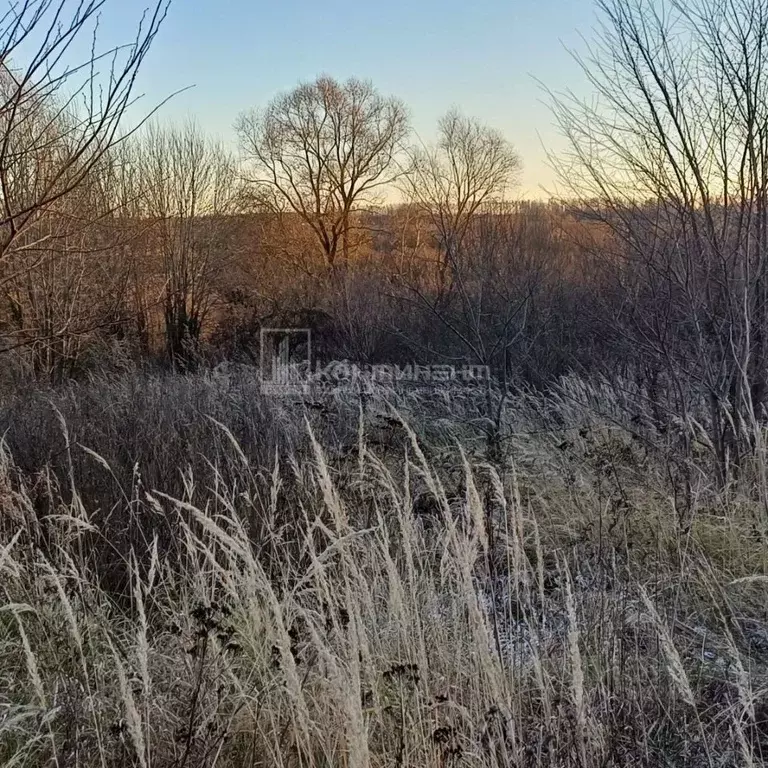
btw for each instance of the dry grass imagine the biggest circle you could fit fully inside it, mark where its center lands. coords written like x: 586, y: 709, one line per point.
x: 349, y: 589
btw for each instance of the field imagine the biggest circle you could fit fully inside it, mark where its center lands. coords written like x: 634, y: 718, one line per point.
x: 194, y: 574
x: 367, y: 435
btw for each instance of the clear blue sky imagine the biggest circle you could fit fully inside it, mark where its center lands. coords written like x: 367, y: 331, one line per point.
x: 481, y: 56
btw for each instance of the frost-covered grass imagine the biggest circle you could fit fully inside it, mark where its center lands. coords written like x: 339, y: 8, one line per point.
x: 192, y: 575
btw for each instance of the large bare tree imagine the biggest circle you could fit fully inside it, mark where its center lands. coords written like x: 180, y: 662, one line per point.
x: 470, y: 168
x: 321, y: 151
x: 673, y: 156
x: 459, y: 186
x: 479, y: 287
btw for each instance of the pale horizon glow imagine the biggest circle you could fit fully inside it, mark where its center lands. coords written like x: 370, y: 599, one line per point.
x: 487, y: 58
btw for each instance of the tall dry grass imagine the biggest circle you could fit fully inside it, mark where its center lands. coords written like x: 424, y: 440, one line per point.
x: 198, y: 577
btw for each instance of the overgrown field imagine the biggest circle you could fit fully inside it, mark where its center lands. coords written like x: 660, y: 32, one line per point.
x: 194, y: 575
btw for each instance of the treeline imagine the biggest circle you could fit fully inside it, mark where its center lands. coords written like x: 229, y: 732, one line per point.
x: 164, y: 246
x: 158, y: 244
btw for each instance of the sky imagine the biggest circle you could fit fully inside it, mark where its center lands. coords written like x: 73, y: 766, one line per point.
x: 485, y: 57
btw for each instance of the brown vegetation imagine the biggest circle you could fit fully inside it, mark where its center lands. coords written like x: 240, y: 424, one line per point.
x: 561, y: 564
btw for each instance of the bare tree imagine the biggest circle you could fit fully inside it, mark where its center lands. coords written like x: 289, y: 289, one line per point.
x: 673, y: 157
x: 59, y: 119
x: 188, y: 187
x: 480, y: 287
x: 320, y: 152
x: 471, y: 166
x: 67, y: 290
x: 459, y: 186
